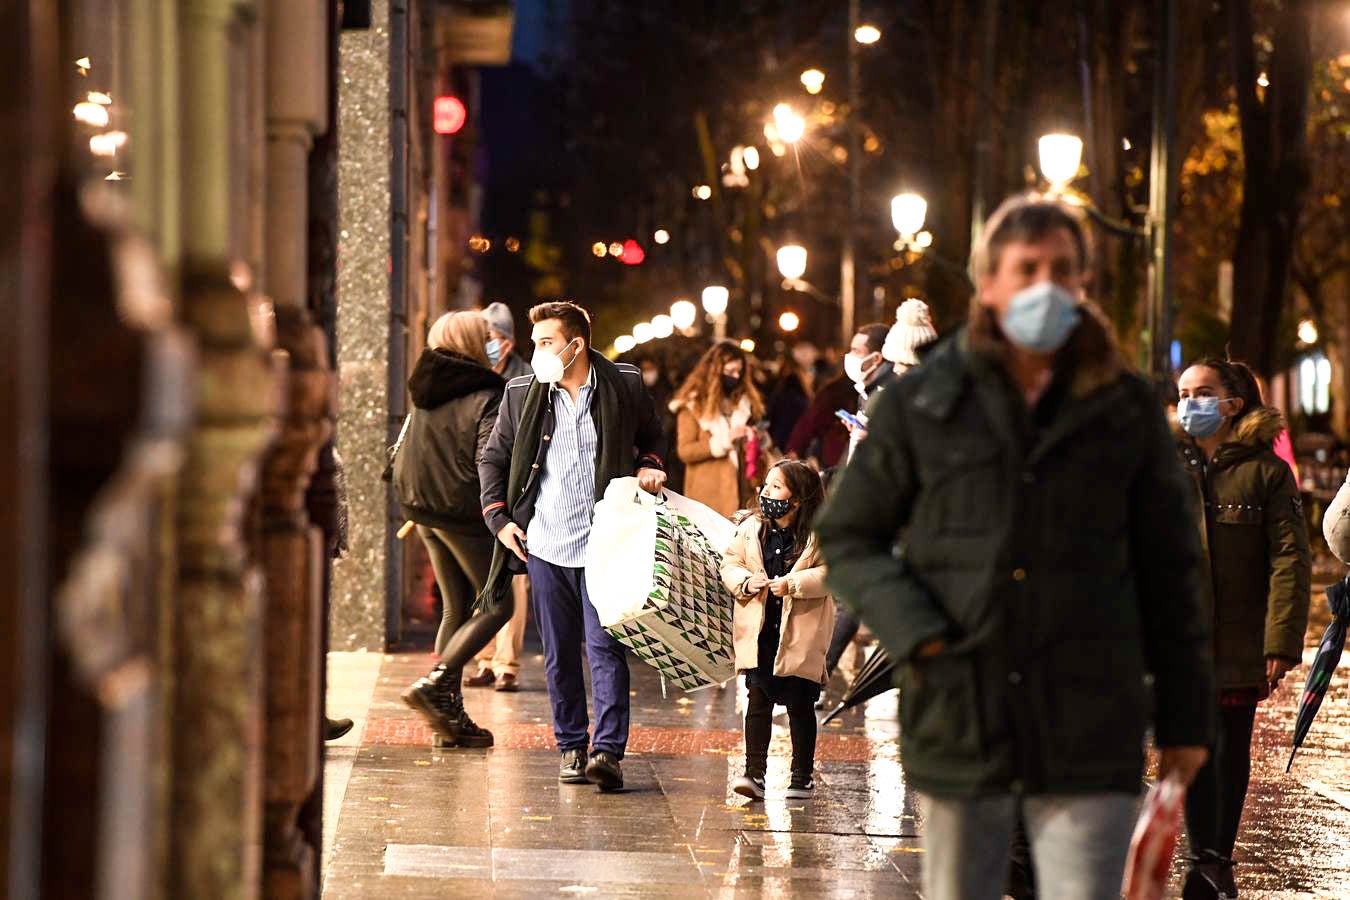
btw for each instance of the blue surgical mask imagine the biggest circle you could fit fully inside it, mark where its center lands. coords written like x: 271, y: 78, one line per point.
x: 1040, y: 318
x: 493, y: 351
x: 1200, y: 416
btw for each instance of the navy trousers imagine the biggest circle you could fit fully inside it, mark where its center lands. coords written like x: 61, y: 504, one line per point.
x: 566, y: 619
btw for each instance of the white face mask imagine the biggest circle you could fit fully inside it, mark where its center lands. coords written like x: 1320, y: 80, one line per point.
x: 650, y: 378
x: 853, y: 368
x: 548, y: 366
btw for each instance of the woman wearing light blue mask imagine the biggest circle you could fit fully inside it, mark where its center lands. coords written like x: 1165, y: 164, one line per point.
x: 1256, y: 540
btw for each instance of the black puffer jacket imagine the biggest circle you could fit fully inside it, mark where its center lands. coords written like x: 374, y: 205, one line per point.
x: 436, y: 470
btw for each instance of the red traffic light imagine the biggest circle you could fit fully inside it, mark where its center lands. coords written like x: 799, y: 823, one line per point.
x: 448, y: 115
x: 633, y: 254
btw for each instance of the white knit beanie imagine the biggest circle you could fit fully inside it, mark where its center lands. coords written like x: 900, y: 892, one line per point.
x: 912, y: 329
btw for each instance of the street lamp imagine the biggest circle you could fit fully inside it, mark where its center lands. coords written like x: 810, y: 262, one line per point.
x: 907, y: 214
x: 715, y: 297
x: 1307, y: 332
x: 751, y: 158
x: 624, y: 342
x: 789, y: 321
x: 813, y: 80
x: 1060, y: 157
x: 683, y: 313
x: 642, y: 332
x: 790, y: 126
x: 867, y: 34
x: 661, y: 236
x: 792, y: 261
x: 663, y: 326
x: 703, y: 192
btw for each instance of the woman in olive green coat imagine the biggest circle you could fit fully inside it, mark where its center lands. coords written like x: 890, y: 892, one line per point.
x: 1254, y: 531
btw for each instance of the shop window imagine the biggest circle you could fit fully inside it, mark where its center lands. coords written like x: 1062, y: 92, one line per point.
x: 1314, y: 384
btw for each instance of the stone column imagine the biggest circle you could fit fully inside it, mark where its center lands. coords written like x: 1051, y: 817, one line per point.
x: 296, y: 99
x: 363, y: 328
x: 216, y: 835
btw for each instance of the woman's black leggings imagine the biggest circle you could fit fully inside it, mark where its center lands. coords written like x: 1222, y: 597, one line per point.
x: 461, y: 563
x: 1215, y: 799
x: 759, y: 728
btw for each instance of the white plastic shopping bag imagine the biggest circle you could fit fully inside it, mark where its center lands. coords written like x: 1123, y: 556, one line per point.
x: 620, y: 552
x: 652, y: 575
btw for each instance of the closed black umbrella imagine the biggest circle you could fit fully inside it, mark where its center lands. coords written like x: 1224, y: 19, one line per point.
x: 1328, y: 655
x: 872, y: 680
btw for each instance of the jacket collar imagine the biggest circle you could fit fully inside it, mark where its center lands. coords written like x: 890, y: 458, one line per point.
x: 441, y: 376
x: 973, y: 356
x: 1256, y: 432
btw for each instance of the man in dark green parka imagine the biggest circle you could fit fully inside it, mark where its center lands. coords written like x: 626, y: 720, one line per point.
x: 1044, y: 598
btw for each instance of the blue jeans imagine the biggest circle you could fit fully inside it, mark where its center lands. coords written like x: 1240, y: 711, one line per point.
x: 566, y: 619
x: 1078, y: 844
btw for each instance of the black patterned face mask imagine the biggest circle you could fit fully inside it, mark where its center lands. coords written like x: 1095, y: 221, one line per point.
x: 774, y: 509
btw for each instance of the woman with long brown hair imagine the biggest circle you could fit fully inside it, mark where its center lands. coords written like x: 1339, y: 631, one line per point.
x: 716, y: 411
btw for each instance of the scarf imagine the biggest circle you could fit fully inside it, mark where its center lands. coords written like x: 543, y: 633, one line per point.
x: 613, y: 459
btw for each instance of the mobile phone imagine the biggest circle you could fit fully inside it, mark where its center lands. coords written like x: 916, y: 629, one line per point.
x: 849, y: 418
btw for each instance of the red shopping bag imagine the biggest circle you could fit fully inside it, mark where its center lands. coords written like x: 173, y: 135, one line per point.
x: 1154, y: 842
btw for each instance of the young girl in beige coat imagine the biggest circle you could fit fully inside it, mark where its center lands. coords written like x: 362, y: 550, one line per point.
x: 782, y: 622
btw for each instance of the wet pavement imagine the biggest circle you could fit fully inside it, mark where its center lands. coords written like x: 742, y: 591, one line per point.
x: 405, y: 821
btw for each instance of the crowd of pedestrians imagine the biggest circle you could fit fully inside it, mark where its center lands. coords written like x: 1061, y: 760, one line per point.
x: 1056, y: 571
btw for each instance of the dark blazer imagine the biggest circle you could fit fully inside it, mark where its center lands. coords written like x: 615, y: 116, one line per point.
x: 640, y: 430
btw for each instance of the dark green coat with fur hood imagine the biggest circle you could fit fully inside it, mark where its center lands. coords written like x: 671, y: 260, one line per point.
x: 1255, y: 533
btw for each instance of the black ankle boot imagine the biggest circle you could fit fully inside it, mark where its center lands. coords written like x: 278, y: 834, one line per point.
x: 470, y: 733
x: 437, y: 699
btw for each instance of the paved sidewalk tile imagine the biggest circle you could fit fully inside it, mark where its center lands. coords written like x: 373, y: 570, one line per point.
x: 414, y: 822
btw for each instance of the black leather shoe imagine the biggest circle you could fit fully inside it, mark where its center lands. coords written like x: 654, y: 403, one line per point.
x: 573, y: 768
x: 335, y: 728
x: 603, y: 769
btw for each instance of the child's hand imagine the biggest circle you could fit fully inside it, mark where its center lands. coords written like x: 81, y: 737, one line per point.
x: 779, y: 587
x: 757, y: 583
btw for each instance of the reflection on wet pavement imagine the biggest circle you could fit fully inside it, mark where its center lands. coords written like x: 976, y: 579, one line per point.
x: 421, y: 823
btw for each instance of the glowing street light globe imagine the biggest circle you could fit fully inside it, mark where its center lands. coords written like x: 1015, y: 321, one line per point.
x: 663, y: 326
x: 715, y: 297
x: 624, y: 342
x: 1307, y: 331
x: 748, y: 345
x: 751, y: 158
x: 792, y: 261
x: 1060, y: 156
x: 813, y: 80
x: 703, y: 192
x: 661, y: 236
x: 683, y: 313
x: 616, y: 249
x: 867, y: 34
x: 790, y: 126
x: 908, y: 212
x: 642, y: 332
x: 599, y: 248
x: 789, y: 321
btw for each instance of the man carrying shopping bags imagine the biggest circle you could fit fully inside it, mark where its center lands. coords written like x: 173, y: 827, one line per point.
x: 562, y: 435
x: 1047, y: 569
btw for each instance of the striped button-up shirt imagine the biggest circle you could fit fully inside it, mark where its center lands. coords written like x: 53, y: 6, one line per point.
x: 561, y: 525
